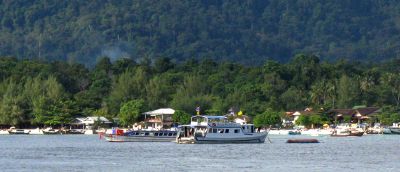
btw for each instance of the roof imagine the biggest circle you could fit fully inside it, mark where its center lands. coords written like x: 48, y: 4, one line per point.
x: 214, y: 117
x: 342, y: 111
x: 368, y: 110
x: 162, y: 111
x: 361, y: 111
x: 92, y: 119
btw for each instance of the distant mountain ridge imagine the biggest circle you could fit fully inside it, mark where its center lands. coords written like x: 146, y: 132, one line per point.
x: 245, y: 31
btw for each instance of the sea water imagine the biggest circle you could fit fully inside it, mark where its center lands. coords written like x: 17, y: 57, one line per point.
x: 89, y: 153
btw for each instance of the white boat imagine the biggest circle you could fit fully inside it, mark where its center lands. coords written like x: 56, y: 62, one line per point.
x: 50, y: 130
x: 394, y: 130
x: 217, y: 129
x: 4, y: 132
x: 18, y: 131
x: 344, y: 130
x: 36, y: 131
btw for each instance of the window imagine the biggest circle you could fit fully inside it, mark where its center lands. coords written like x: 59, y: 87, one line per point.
x: 236, y: 130
x: 155, y: 134
x: 214, y: 130
x: 169, y: 134
x: 226, y: 130
x: 210, y: 130
x: 146, y: 134
x: 220, y: 130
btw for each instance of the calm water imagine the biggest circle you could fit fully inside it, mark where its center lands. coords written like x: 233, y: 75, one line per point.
x: 88, y: 153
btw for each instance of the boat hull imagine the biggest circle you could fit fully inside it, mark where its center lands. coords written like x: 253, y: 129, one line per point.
x: 357, y: 134
x: 116, y: 138
x: 256, y: 138
x: 395, y: 130
x: 19, y: 132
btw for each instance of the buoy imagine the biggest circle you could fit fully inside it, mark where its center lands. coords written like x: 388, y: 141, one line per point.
x: 302, y: 141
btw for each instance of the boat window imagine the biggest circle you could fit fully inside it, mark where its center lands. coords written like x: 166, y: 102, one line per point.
x: 243, y: 127
x: 220, y: 130
x: 156, y: 134
x: 165, y: 134
x: 226, y: 130
x: 169, y: 134
x: 137, y: 133
x: 236, y: 130
x: 146, y: 134
x: 210, y: 130
x: 214, y: 130
x: 174, y: 134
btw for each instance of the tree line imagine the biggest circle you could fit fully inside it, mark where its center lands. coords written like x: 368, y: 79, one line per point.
x: 42, y: 93
x: 247, y: 31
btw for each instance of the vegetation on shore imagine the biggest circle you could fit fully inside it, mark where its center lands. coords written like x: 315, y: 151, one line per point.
x: 52, y: 93
x: 246, y: 31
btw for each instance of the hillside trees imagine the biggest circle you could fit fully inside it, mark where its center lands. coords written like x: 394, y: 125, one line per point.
x: 43, y: 93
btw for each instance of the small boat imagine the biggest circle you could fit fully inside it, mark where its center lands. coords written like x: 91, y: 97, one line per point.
x: 217, y: 129
x: 294, y: 132
x: 36, y: 131
x: 75, y: 131
x: 346, y: 133
x: 394, y: 130
x: 18, y: 131
x: 118, y: 135
x: 302, y: 141
x: 49, y: 131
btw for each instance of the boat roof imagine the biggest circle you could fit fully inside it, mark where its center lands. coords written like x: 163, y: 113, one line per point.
x: 214, y: 117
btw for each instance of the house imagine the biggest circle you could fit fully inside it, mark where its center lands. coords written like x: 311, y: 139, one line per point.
x: 158, y: 119
x: 292, y: 116
x: 356, y: 115
x: 89, y: 122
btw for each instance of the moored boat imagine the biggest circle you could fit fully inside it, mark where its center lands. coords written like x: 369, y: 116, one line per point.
x: 217, y: 129
x: 294, y: 132
x: 118, y: 135
x: 394, y: 130
x: 49, y: 131
x: 346, y: 132
x: 18, y: 131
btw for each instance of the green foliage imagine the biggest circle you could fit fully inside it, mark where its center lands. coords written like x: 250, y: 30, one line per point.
x: 267, y: 119
x: 303, y: 120
x: 387, y: 118
x: 181, y: 117
x: 316, y: 120
x: 244, y: 31
x: 130, y: 112
x: 40, y: 93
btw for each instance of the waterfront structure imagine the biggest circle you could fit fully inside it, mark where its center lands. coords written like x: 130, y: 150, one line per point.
x: 158, y: 119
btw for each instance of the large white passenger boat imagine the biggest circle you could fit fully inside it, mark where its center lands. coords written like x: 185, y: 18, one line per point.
x: 217, y: 129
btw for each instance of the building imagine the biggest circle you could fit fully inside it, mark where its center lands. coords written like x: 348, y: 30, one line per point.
x: 87, y: 123
x: 158, y: 119
x: 356, y: 115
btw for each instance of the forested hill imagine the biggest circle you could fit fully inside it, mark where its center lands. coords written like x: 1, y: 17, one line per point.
x: 246, y: 31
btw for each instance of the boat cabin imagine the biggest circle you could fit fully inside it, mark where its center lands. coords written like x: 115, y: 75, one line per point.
x: 200, y: 126
x: 161, y: 133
